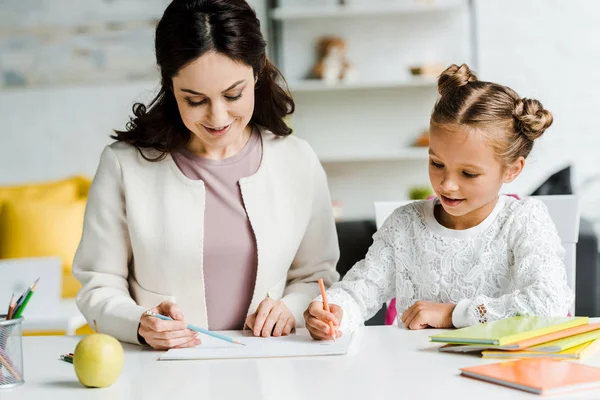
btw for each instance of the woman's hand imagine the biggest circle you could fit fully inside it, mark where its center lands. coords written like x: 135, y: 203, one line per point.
x: 272, y: 317
x: 424, y: 314
x: 161, y: 334
x: 317, y: 320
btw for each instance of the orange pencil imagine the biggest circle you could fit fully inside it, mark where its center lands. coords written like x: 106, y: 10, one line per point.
x: 11, y: 308
x: 326, y: 308
x: 12, y: 298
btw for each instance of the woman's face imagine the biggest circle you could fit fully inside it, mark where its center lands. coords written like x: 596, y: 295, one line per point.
x: 215, y: 97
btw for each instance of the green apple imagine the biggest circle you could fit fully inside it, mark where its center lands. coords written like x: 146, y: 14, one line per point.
x: 98, y: 360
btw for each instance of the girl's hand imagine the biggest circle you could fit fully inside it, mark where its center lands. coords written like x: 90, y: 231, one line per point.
x: 317, y: 320
x: 162, y: 335
x: 424, y: 314
x: 272, y: 317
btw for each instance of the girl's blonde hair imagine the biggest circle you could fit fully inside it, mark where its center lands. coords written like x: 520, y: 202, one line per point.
x: 511, y: 123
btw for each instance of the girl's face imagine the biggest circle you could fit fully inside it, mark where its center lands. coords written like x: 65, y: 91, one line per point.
x: 215, y: 97
x: 464, y: 172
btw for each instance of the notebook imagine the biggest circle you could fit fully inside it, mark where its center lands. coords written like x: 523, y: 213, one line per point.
x: 508, y: 330
x: 543, y: 376
x: 567, y: 343
x: 574, y: 353
x: 527, y: 343
x: 298, y: 344
x: 19, y: 273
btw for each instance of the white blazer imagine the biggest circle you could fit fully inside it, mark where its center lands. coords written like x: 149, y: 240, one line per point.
x: 143, y: 235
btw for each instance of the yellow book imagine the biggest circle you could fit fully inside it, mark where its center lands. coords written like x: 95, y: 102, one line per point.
x: 508, y: 330
x: 574, y: 353
x: 566, y: 343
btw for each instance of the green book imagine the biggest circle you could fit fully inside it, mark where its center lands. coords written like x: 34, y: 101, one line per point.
x: 509, y: 330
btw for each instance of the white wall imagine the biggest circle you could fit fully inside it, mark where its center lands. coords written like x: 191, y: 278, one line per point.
x: 50, y: 133
x: 548, y: 49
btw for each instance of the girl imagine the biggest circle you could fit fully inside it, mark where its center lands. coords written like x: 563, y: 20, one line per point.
x: 468, y: 256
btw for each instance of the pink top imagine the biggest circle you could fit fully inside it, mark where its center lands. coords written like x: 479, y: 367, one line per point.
x: 230, y: 260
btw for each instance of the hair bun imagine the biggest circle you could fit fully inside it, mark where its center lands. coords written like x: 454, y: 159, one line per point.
x: 455, y: 77
x: 531, y: 119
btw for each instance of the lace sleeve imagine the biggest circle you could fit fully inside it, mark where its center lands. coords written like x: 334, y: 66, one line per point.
x: 370, y: 282
x: 538, y: 276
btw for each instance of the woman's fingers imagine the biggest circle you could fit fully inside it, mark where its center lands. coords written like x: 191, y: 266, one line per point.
x: 282, y: 322
x: 159, y: 325
x: 168, y: 334
x: 270, y: 322
x: 250, y: 321
x: 161, y: 334
x: 262, y: 313
x: 170, y: 309
x: 271, y: 318
x: 289, y: 326
x: 170, y: 343
x: 191, y: 343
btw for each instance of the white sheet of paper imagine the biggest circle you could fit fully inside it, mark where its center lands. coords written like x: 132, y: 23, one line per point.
x: 299, y: 344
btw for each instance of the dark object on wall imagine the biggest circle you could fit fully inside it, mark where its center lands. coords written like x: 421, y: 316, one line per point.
x: 557, y: 183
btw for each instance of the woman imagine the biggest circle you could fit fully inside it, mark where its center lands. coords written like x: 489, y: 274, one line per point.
x: 205, y: 209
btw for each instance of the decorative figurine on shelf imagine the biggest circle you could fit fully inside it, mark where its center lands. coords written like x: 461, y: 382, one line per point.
x: 422, y: 140
x: 332, y: 65
x: 427, y: 70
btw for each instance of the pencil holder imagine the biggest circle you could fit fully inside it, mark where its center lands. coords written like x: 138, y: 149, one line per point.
x: 11, y: 353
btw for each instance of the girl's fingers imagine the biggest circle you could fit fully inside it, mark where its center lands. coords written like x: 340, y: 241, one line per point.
x: 317, y: 325
x: 409, y: 315
x: 316, y: 310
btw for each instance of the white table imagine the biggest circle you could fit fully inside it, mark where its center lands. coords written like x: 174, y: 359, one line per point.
x: 67, y: 318
x: 386, y: 363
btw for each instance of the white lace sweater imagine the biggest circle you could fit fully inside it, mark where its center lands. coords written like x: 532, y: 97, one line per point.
x: 510, y: 264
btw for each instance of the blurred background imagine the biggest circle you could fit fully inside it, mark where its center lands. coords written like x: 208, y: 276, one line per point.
x: 362, y: 73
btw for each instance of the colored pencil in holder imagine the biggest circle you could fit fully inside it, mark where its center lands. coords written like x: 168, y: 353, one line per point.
x: 20, y: 308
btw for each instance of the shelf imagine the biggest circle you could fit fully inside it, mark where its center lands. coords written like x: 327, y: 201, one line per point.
x: 408, y: 153
x: 385, y: 8
x: 316, y: 85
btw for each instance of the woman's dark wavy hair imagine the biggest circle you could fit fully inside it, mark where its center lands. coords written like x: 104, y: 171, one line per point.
x: 187, y: 30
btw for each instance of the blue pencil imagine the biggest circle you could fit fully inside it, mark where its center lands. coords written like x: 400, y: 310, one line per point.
x: 197, y: 329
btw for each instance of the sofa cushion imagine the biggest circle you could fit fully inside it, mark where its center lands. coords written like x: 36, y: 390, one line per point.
x: 63, y: 190
x: 41, y: 228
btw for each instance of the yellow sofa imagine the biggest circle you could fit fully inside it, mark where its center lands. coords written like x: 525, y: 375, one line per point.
x: 44, y: 219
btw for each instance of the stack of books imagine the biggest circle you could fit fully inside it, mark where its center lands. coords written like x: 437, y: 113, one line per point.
x: 536, y: 347
x: 568, y: 338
